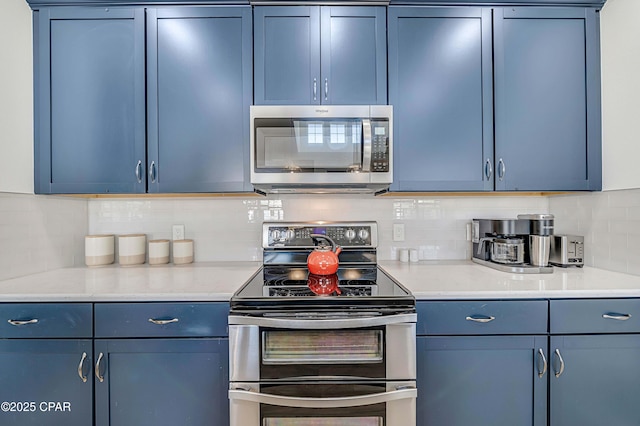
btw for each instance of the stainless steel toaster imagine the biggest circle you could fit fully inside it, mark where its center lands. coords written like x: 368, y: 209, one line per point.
x: 567, y: 250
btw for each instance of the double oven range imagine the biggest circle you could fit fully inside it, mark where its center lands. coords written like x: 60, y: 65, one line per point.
x: 322, y: 350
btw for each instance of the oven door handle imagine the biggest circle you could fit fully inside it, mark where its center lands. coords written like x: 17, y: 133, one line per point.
x: 299, y: 402
x: 315, y: 323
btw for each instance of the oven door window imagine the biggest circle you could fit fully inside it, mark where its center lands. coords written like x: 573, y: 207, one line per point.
x: 322, y: 347
x: 308, y: 145
x: 299, y: 354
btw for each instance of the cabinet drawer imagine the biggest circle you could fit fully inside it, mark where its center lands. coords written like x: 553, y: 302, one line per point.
x: 161, y: 319
x: 44, y: 320
x: 482, y: 317
x: 595, y: 316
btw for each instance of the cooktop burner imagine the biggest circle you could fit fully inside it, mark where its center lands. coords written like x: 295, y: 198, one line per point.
x: 284, y: 285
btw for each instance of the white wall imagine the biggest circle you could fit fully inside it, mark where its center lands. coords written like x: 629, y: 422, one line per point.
x: 16, y: 97
x: 620, y: 42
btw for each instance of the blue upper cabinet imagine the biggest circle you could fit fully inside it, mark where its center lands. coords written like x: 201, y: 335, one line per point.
x: 320, y: 55
x: 441, y: 88
x: 199, y: 88
x: 547, y: 99
x: 90, y: 132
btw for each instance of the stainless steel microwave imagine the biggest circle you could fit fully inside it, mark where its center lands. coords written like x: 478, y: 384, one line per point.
x: 321, y: 149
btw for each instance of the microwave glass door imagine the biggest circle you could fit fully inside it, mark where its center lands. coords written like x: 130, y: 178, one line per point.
x: 308, y: 145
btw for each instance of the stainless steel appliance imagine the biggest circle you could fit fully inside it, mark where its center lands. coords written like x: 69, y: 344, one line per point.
x: 321, y: 148
x: 519, y: 245
x: 567, y: 250
x: 303, y: 356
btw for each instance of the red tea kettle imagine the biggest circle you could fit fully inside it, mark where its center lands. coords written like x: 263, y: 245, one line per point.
x: 324, y: 285
x: 323, y: 260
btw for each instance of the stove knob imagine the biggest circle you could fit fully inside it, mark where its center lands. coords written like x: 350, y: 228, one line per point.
x: 350, y: 234
x: 275, y: 235
x: 363, y: 234
x: 290, y: 234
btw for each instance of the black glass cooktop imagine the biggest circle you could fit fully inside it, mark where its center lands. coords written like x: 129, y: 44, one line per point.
x: 292, y: 288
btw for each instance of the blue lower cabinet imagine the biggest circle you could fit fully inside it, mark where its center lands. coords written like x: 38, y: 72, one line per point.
x: 162, y: 382
x: 595, y: 380
x: 46, y: 382
x: 482, y: 381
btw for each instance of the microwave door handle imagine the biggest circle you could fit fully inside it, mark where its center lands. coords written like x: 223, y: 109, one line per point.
x: 298, y: 402
x: 366, y: 145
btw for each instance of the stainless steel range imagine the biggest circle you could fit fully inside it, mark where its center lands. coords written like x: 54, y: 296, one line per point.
x: 320, y: 350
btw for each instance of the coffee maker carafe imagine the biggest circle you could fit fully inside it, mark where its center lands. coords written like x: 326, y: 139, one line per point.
x: 519, y: 245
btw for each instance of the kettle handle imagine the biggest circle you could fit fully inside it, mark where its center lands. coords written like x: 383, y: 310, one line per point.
x: 317, y: 240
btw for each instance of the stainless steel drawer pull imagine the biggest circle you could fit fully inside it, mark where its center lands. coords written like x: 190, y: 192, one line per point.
x: 544, y: 363
x: 618, y: 317
x: 559, y: 372
x: 476, y: 318
x: 23, y: 322
x: 163, y: 321
x: 81, y: 368
x: 315, y: 89
x: 326, y: 89
x: 100, y: 378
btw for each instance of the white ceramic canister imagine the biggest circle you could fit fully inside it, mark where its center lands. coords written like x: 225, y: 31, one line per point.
x: 132, y: 249
x: 158, y: 252
x: 182, y: 251
x: 99, y: 250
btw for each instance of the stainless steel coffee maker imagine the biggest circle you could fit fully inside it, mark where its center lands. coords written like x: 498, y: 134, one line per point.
x: 519, y: 245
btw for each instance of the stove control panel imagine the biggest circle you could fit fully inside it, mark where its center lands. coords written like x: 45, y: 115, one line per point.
x: 298, y: 234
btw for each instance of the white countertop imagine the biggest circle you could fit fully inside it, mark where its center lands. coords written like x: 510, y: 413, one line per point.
x: 468, y: 280
x: 217, y: 281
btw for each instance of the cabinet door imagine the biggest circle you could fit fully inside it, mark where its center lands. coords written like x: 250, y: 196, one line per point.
x: 353, y: 55
x: 199, y: 92
x: 441, y: 89
x: 599, y: 382
x: 547, y: 95
x: 162, y: 382
x: 481, y: 381
x: 287, y: 55
x: 90, y: 131
x: 46, y: 382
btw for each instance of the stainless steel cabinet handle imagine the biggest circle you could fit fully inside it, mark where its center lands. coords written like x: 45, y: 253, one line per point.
x: 559, y: 372
x: 488, y: 169
x: 152, y: 172
x: 100, y: 378
x: 501, y: 169
x: 478, y: 318
x: 326, y: 88
x: 617, y: 317
x: 544, y: 363
x: 23, y: 322
x: 315, y: 89
x: 352, y: 401
x: 81, y: 368
x: 163, y: 321
x: 139, y: 171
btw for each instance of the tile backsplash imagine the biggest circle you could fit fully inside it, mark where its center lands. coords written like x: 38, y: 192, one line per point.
x: 610, y: 224
x: 40, y: 233
x: 230, y: 228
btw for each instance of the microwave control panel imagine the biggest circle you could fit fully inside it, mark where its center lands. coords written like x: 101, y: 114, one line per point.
x: 380, y: 146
